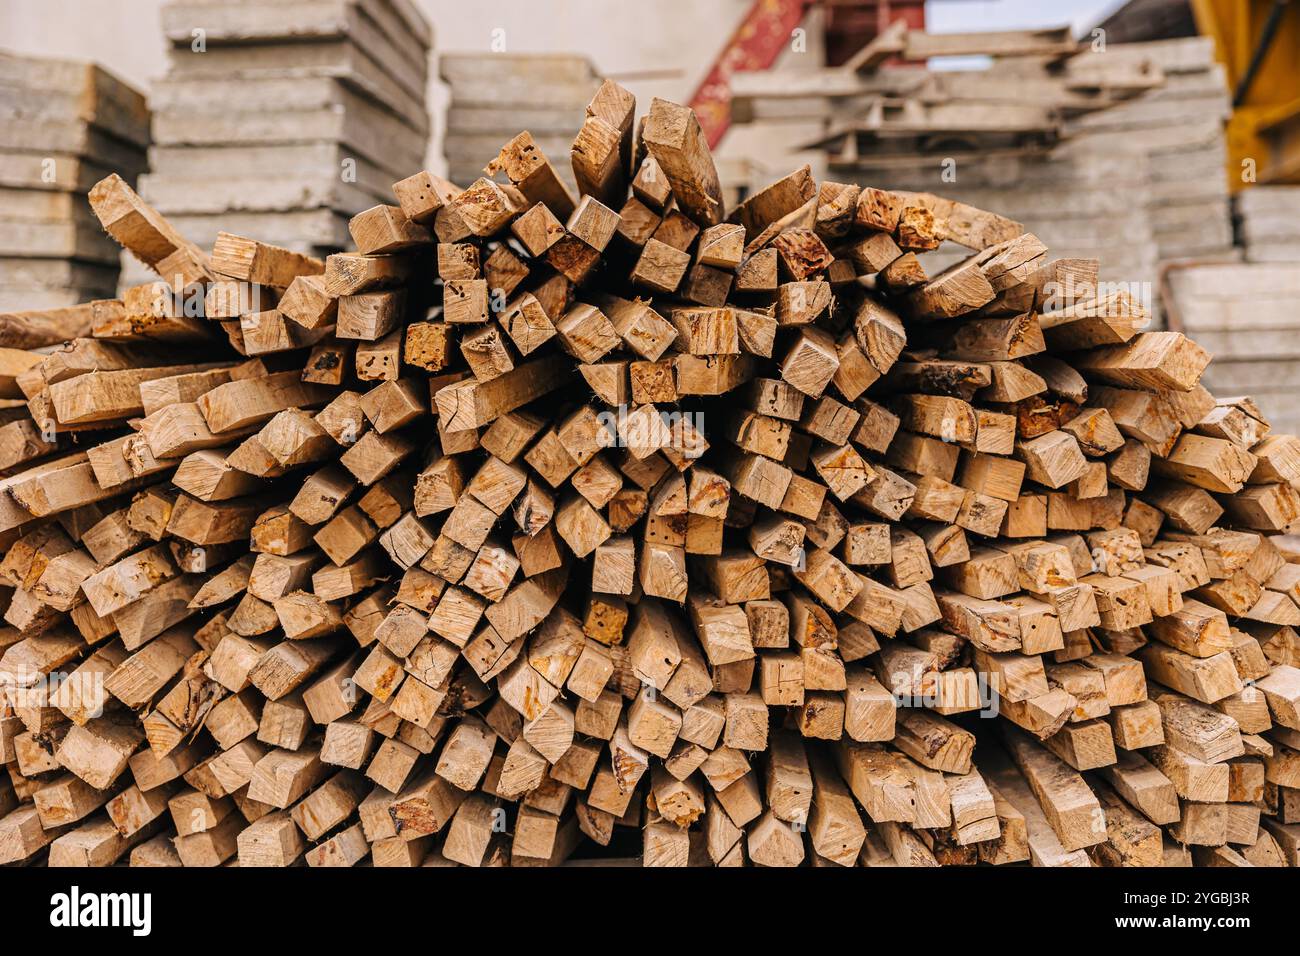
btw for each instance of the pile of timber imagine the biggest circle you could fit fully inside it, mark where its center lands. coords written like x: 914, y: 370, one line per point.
x: 64, y: 124
x: 494, y: 95
x: 1116, y: 154
x: 546, y: 527
x: 1152, y: 164
x: 1245, y: 314
x: 879, y: 111
x: 1268, y: 223
x: 284, y: 120
x: 1179, y: 128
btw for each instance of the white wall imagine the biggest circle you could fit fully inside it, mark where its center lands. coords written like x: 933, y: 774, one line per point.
x: 122, y: 35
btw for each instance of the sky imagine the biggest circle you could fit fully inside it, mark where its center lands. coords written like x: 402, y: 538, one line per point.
x: 961, y: 16
x: 955, y: 16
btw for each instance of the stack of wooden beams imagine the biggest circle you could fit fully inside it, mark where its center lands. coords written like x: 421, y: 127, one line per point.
x: 644, y: 533
x: 1116, y: 154
x: 64, y: 124
x: 284, y: 120
x: 1244, y: 312
x: 1179, y: 129
x: 1268, y: 223
x: 494, y: 95
x: 878, y: 112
